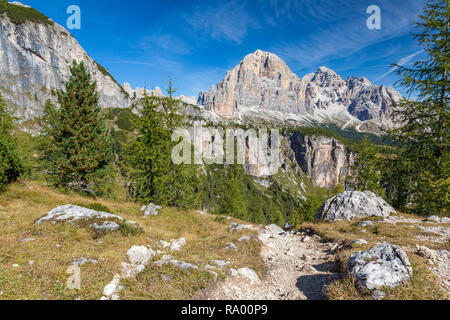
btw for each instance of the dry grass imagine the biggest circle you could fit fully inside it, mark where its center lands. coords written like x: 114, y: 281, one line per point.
x: 424, y: 284
x: 57, y: 245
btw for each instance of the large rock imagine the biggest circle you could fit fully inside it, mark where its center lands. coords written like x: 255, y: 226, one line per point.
x: 354, y: 205
x: 70, y: 214
x: 100, y: 222
x: 35, y: 60
x: 382, y: 266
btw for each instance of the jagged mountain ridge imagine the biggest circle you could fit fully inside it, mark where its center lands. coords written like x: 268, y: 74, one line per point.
x: 263, y: 86
x: 34, y: 61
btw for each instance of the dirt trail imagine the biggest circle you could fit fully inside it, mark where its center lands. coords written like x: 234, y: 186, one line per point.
x: 298, y: 266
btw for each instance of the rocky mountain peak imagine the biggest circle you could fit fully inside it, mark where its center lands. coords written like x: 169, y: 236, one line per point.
x: 262, y: 86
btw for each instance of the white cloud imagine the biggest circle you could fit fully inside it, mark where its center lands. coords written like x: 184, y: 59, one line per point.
x: 348, y: 35
x: 167, y: 42
x: 229, y: 21
x: 401, y: 62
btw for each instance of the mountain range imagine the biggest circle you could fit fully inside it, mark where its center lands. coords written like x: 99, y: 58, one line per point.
x: 35, y: 58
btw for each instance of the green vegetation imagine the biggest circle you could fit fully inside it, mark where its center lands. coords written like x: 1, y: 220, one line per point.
x: 11, y: 165
x: 423, y: 135
x: 105, y: 72
x: 350, y: 137
x: 77, y: 146
x: 414, y: 174
x: 19, y: 14
x: 147, y: 159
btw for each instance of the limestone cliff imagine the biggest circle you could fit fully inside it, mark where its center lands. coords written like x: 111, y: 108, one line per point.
x: 34, y: 61
x: 325, y: 160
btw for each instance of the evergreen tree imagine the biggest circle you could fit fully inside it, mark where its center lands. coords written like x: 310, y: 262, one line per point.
x: 233, y: 203
x: 153, y: 175
x: 424, y: 123
x: 366, y: 171
x: 295, y: 218
x: 78, y: 148
x: 11, y: 166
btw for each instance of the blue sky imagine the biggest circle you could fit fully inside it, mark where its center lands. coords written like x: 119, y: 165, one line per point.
x: 197, y: 41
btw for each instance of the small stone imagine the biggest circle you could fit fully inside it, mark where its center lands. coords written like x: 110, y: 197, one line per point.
x: 82, y: 261
x: 151, y: 210
x: 163, y: 244
x: 15, y: 265
x: 244, y: 238
x: 220, y: 263
x: 178, y: 244
x: 366, y: 223
x: 31, y: 262
x: 306, y: 239
x: 378, y: 295
x: 166, y: 278
x: 305, y: 258
x: 288, y: 227
x: 111, y: 288
x: 28, y: 239
x: 360, y: 242
x: 131, y: 270
x: 140, y: 255
x: 249, y: 274
x: 183, y: 265
x: 232, y: 246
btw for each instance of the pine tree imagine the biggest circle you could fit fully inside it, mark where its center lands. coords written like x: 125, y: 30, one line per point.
x: 295, y: 218
x: 233, y: 203
x: 153, y: 175
x: 424, y: 123
x: 11, y: 166
x: 79, y: 148
x: 366, y: 171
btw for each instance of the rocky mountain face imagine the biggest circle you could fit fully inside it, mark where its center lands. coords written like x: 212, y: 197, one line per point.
x: 325, y: 160
x: 35, y: 60
x: 264, y: 87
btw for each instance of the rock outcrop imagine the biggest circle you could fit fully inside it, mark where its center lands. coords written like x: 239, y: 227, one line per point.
x: 354, y: 205
x: 263, y: 86
x: 382, y: 266
x: 34, y: 61
x: 151, y: 210
x: 100, y: 222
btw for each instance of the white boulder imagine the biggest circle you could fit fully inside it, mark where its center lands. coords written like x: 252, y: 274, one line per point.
x: 354, y: 205
x: 384, y: 265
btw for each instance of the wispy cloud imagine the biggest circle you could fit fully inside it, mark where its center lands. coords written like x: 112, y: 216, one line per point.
x: 228, y: 21
x: 167, y: 42
x: 401, y: 62
x: 348, y: 35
